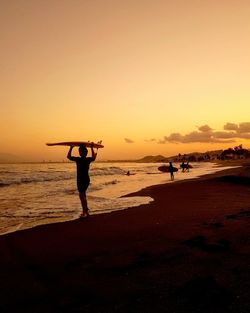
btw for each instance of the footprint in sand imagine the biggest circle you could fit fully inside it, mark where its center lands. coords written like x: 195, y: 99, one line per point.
x: 200, y: 242
x: 232, y: 216
x: 204, y: 294
x: 241, y: 214
x: 214, y: 224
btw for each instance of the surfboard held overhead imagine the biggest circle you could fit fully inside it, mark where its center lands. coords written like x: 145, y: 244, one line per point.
x: 165, y: 169
x: 87, y: 144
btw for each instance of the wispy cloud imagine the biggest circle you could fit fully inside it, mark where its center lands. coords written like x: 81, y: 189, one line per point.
x: 241, y: 128
x: 127, y: 140
x: 206, y: 134
x: 205, y: 128
x: 150, y: 140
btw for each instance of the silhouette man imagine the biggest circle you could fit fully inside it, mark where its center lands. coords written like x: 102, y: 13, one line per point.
x: 83, y: 180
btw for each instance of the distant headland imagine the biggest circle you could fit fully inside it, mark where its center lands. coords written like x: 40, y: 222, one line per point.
x: 235, y: 153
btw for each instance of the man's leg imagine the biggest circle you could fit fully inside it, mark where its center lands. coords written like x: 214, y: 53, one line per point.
x: 83, y: 198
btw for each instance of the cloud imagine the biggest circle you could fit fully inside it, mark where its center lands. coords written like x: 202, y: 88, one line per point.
x: 195, y: 136
x: 161, y: 141
x: 244, y: 128
x: 150, y: 140
x: 240, y: 128
x: 174, y: 137
x: 224, y: 135
x: 231, y: 126
x: 206, y: 134
x: 127, y: 140
x: 244, y: 136
x: 205, y: 128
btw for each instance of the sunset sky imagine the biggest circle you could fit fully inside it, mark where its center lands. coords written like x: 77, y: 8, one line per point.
x: 147, y: 77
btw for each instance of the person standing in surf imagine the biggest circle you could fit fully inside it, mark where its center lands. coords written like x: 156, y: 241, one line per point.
x: 83, y: 180
x: 171, y: 170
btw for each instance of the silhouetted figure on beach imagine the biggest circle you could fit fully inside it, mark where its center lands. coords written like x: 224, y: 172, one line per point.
x: 171, y: 170
x: 129, y: 173
x: 83, y: 180
x: 183, y: 166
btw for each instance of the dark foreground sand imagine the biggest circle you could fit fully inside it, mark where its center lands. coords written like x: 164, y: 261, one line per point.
x: 188, y: 251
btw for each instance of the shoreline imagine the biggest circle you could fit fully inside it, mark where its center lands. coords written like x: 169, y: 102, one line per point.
x: 187, y: 251
x: 106, y: 209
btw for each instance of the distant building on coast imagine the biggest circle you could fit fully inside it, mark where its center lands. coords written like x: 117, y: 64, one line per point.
x: 235, y: 153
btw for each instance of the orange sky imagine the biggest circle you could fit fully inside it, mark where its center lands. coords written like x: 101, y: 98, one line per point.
x: 126, y: 72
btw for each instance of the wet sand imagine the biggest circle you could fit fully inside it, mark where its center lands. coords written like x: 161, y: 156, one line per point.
x: 187, y: 251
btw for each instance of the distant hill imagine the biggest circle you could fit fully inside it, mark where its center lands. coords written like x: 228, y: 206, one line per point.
x: 194, y: 156
x: 152, y: 159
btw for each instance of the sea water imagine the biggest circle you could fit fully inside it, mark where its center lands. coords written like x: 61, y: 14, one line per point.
x: 35, y: 194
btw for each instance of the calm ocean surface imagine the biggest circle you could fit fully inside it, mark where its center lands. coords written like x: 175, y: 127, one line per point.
x: 35, y: 194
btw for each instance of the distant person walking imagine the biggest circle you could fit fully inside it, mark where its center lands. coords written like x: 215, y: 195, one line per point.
x: 183, y: 166
x: 83, y: 180
x: 171, y: 170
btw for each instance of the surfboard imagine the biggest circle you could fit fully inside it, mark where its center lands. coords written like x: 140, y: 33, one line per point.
x: 165, y: 169
x: 87, y: 144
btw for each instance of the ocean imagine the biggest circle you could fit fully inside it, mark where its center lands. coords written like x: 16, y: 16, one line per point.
x: 35, y: 194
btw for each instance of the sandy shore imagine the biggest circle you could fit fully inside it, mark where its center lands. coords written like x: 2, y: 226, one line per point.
x: 187, y: 251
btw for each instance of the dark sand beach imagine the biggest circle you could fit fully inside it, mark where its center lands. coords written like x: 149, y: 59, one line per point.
x: 187, y: 251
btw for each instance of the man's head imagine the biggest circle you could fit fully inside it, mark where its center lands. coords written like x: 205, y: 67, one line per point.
x: 83, y: 151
